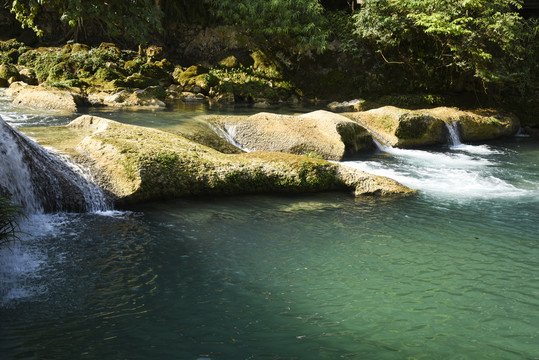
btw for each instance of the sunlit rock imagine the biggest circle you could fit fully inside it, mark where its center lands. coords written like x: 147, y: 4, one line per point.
x: 319, y: 133
x: 140, y: 164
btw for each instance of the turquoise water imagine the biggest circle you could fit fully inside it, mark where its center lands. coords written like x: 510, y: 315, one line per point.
x: 451, y: 273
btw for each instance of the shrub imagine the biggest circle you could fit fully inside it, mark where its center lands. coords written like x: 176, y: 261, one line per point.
x: 9, y: 215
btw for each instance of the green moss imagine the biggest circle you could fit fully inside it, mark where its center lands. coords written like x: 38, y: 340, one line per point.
x: 133, y: 66
x: 7, y: 71
x: 414, y: 100
x: 108, y: 74
x: 491, y: 120
x: 411, y: 127
x: 140, y: 81
x: 167, y: 159
x: 153, y: 70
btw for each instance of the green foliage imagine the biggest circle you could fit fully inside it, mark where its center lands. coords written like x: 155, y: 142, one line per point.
x: 455, y: 44
x: 42, y: 62
x: 276, y: 23
x: 251, y: 84
x: 133, y: 20
x: 9, y: 214
x: 415, y: 100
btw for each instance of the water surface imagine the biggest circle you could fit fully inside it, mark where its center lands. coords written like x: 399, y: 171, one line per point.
x: 448, y: 274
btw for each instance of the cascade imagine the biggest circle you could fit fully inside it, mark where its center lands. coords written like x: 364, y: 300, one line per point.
x: 41, y: 181
x: 454, y: 137
x: 229, y: 134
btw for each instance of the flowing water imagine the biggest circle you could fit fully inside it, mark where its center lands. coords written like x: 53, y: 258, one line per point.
x: 451, y: 273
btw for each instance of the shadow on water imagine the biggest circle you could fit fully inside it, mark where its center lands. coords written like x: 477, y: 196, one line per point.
x: 179, y: 282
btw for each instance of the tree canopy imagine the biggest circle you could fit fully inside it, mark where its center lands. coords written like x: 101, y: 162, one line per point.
x: 455, y: 40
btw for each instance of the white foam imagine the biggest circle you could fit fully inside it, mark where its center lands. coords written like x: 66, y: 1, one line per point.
x: 22, y: 262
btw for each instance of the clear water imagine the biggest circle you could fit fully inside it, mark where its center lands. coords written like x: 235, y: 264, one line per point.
x: 449, y: 274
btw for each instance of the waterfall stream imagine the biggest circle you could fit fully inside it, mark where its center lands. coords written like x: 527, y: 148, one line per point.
x: 457, y: 171
x: 42, y: 181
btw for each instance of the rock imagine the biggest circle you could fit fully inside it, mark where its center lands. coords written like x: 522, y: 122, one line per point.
x: 37, y: 179
x: 229, y: 62
x: 322, y: 133
x: 140, y: 81
x: 154, y: 52
x: 348, y: 106
x: 190, y: 97
x: 28, y: 76
x: 110, y: 47
x: 45, y: 97
x: 262, y: 62
x: 477, y: 125
x: 146, y: 98
x: 262, y: 105
x: 7, y: 72
x: 15, y: 88
x: 194, y: 79
x: 401, y: 128
x: 225, y: 98
x: 186, y: 77
x: 142, y: 164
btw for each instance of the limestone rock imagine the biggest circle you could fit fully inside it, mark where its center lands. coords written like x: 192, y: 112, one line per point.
x: 45, y: 97
x: 145, y: 98
x: 8, y: 73
x: 478, y: 125
x: 229, y: 62
x: 321, y: 133
x: 348, y: 106
x: 146, y: 164
x: 400, y: 127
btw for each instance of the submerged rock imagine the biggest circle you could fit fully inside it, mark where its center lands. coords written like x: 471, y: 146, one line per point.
x: 320, y: 133
x: 146, y: 164
x: 400, y: 127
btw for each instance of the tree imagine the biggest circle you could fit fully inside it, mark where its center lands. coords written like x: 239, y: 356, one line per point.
x: 132, y: 19
x: 276, y: 23
x: 453, y: 44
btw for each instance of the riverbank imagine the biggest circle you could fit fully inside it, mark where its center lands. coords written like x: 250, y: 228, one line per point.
x: 154, y: 78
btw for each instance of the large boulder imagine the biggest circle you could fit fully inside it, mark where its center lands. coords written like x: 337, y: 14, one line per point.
x: 400, y: 127
x: 477, y: 125
x: 144, y: 164
x: 320, y: 133
x: 45, y: 97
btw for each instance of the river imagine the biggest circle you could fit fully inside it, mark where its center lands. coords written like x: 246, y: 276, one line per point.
x: 451, y: 273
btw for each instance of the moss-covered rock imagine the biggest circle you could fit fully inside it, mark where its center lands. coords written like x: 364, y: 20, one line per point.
x: 229, y: 62
x: 478, y: 125
x: 400, y: 127
x: 187, y: 76
x: 140, y: 81
x: 145, y: 164
x: 8, y: 72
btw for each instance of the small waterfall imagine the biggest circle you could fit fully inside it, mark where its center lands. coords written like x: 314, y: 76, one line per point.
x: 228, y: 132
x: 41, y: 181
x: 454, y: 137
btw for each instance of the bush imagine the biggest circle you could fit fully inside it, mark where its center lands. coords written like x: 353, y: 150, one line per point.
x: 9, y: 215
x: 460, y: 45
